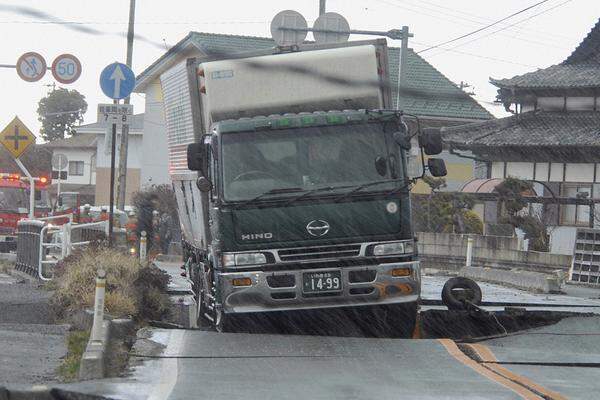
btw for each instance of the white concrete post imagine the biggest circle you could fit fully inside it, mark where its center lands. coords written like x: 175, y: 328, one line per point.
x: 63, y: 248
x: 99, y: 306
x: 68, y: 242
x: 143, y: 247
x: 469, y: 251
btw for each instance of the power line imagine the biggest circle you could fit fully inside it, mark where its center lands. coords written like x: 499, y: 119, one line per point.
x: 457, y: 20
x: 477, y: 55
x: 137, y: 23
x: 485, y: 27
x: 508, y: 26
x: 482, y: 18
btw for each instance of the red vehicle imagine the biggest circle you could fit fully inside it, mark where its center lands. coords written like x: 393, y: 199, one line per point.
x: 14, y: 205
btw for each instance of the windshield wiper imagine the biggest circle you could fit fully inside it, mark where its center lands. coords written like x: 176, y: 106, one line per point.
x: 361, y: 187
x: 274, y: 191
x: 308, y: 193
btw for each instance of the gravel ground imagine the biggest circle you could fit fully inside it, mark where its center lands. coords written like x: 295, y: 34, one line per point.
x: 31, y: 347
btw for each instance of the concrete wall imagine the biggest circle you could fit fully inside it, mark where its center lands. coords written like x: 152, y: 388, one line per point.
x: 562, y: 239
x: 155, y: 160
x: 447, y: 251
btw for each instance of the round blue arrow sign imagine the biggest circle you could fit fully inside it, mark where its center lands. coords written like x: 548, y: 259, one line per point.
x: 117, y: 81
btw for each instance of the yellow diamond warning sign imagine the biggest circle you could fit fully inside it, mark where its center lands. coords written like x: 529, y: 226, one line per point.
x: 16, y: 137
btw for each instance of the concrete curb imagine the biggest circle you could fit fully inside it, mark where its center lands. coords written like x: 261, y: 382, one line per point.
x: 10, y: 257
x: 532, y: 281
x: 93, y: 361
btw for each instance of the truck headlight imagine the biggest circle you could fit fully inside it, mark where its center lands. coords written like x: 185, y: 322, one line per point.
x: 391, y: 248
x: 232, y: 259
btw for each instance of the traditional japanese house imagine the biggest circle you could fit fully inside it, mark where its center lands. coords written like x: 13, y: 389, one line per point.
x: 552, y: 138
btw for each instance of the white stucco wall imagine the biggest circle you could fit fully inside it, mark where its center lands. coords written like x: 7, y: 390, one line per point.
x: 154, y: 153
x: 85, y: 155
x: 134, y: 151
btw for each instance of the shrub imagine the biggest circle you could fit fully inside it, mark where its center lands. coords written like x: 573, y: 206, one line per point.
x: 129, y: 286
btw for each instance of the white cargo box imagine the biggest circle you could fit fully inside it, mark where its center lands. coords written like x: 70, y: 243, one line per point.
x: 331, y: 79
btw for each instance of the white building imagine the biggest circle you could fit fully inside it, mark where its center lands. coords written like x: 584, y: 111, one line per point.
x: 102, y: 157
x: 80, y: 151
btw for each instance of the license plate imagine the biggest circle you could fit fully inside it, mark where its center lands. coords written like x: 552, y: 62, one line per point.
x: 322, y: 282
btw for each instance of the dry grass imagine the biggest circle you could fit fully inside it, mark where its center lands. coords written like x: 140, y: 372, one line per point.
x: 5, y: 266
x: 125, y: 294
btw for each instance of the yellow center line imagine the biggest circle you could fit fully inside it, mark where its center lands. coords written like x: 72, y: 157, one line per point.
x: 486, y: 355
x: 455, y: 352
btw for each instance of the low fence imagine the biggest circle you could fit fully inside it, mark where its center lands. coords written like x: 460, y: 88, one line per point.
x: 448, y: 251
x: 41, y: 245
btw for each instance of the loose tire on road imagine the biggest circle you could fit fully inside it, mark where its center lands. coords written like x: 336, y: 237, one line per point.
x: 451, y: 301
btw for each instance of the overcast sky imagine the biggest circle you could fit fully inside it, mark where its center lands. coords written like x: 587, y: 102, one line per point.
x: 535, y: 41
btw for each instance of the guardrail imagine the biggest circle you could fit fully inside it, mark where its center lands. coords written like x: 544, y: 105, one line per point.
x: 41, y: 245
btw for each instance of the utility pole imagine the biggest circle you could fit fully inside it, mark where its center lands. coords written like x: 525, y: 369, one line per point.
x: 321, y: 7
x: 402, y: 63
x: 122, y: 182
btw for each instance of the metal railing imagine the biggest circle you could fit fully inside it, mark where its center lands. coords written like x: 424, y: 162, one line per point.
x: 41, y: 245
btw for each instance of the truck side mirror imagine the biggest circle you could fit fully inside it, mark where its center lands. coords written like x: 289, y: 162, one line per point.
x: 431, y: 141
x: 437, y: 167
x: 196, y: 157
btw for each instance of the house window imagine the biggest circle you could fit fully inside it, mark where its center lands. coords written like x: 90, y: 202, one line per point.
x: 76, y: 168
x: 572, y: 214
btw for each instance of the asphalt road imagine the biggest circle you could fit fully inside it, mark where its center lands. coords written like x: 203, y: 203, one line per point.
x: 209, y: 365
x: 31, y: 348
x: 183, y: 364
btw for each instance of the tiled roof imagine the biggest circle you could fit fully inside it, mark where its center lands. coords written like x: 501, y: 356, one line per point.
x: 81, y: 140
x: 428, y: 92
x: 588, y: 49
x: 534, y: 128
x: 580, y: 70
x: 136, y: 122
x: 580, y: 75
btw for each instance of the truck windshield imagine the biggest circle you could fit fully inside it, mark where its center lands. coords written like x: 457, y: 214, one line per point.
x: 13, y: 199
x: 305, y: 159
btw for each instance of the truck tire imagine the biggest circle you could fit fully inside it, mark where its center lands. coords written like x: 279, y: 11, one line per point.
x: 451, y: 301
x: 201, y: 321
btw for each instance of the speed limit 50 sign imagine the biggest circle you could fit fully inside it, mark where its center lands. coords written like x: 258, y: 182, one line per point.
x: 66, y: 68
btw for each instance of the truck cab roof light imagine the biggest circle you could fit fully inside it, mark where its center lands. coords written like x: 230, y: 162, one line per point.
x: 307, y: 120
x: 335, y: 119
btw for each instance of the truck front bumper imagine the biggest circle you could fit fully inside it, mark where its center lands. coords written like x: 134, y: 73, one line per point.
x: 375, y: 286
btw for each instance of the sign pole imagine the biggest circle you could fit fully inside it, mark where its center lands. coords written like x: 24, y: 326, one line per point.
x: 112, y: 183
x: 58, y: 185
x: 31, y: 188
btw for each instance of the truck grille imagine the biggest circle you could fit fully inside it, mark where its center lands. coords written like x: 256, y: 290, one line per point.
x: 320, y: 252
